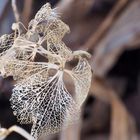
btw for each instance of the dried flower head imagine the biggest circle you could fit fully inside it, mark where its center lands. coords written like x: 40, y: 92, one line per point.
x: 40, y: 95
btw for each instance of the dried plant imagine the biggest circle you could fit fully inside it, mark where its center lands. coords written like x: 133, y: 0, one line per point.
x: 40, y: 96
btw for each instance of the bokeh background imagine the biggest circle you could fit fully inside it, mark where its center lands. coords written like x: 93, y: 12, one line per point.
x: 110, y: 31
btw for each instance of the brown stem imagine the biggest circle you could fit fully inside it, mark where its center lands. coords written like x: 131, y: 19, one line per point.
x: 27, y: 11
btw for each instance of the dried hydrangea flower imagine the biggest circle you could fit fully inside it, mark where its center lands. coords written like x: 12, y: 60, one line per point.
x: 40, y: 95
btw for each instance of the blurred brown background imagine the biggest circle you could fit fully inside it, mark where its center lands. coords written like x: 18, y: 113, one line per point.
x: 110, y: 31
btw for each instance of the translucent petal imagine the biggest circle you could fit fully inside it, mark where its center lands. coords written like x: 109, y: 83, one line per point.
x: 26, y: 90
x: 57, y: 30
x: 19, y: 48
x: 23, y: 69
x: 45, y: 13
x: 6, y: 42
x: 46, y: 102
x: 59, y: 49
x: 58, y: 109
x: 48, y: 25
x: 24, y: 49
x: 81, y: 75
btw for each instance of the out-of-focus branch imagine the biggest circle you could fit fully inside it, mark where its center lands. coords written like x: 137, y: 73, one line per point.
x: 72, y: 132
x: 3, y: 9
x: 27, y: 11
x: 122, y: 123
x: 81, y: 8
x: 15, y: 10
x: 93, y: 40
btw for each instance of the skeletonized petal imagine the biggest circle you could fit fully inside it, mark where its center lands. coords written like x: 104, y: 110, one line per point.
x: 44, y: 101
x: 81, y: 75
x: 57, y: 111
x: 6, y: 42
x: 59, y: 49
x: 24, y: 94
x: 23, y: 69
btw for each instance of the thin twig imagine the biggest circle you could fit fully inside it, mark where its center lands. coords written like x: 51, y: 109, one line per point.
x: 93, y: 40
x: 5, y: 132
x: 15, y: 10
